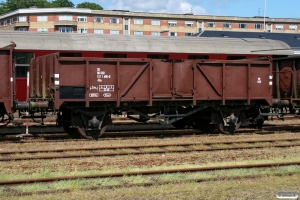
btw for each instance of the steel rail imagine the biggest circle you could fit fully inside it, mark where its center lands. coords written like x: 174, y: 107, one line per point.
x: 140, y: 152
x: 147, y: 184
x: 150, y: 172
x: 146, y: 146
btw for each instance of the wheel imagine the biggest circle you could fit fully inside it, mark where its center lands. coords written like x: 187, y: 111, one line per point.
x: 226, y: 129
x: 81, y: 129
x: 205, y: 126
x: 5, y: 119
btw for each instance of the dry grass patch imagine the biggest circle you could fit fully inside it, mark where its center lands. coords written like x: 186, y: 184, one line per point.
x: 255, y: 188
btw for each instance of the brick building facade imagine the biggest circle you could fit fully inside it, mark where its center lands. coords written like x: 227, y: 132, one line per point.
x: 79, y: 20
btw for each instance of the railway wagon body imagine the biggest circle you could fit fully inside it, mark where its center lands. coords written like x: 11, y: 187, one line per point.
x: 34, y: 44
x: 201, y: 93
x: 7, y: 81
x: 286, y: 84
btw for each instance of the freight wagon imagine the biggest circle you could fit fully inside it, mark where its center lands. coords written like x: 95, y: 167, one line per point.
x: 7, y: 83
x: 205, y: 94
x: 181, y: 84
x: 33, y: 44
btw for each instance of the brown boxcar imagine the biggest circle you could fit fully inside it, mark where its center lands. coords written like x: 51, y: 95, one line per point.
x: 287, y: 82
x: 200, y: 93
x: 7, y: 82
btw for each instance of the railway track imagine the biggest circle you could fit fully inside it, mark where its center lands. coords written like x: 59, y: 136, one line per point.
x: 146, y: 149
x: 13, y: 192
x: 135, y: 131
x: 119, y: 124
x: 147, y: 173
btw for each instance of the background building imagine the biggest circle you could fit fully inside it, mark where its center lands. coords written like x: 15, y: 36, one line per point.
x: 79, y: 20
x: 292, y: 39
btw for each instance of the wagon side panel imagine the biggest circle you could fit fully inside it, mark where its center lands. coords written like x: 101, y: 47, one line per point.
x: 7, y: 79
x: 241, y: 81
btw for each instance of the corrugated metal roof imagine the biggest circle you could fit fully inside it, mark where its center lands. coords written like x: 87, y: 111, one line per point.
x: 292, y: 39
x: 129, y: 43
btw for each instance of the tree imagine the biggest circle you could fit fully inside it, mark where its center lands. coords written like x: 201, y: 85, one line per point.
x: 62, y: 3
x: 92, y: 6
x: 11, y: 5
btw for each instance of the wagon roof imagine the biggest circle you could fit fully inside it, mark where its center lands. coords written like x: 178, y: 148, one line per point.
x: 130, y: 43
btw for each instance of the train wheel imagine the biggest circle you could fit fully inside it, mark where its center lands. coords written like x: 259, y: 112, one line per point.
x: 230, y: 129
x: 81, y: 128
x: 5, y: 119
x: 205, y: 126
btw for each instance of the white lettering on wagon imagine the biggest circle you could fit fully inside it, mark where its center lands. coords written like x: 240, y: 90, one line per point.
x: 94, y: 87
x: 106, y: 88
x: 258, y: 80
x: 101, y: 75
x: 93, y: 95
x: 107, y: 95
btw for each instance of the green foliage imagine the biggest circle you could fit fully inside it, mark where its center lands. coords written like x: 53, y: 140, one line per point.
x: 62, y: 3
x: 92, y: 6
x: 11, y: 5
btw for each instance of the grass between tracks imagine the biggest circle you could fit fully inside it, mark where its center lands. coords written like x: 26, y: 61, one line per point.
x: 247, y: 188
x: 45, y: 172
x: 250, y: 188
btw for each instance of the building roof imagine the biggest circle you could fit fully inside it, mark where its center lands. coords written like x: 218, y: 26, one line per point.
x: 126, y: 13
x: 293, y: 40
x: 132, y: 43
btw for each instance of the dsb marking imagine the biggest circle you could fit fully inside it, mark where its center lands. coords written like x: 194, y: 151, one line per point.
x: 107, y: 95
x: 94, y: 95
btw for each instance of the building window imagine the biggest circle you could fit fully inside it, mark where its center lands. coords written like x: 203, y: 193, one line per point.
x: 188, y: 34
x: 172, y: 34
x: 155, y: 22
x: 242, y: 25
x: 114, y: 20
x: 65, y: 29
x: 226, y: 25
x: 81, y: 30
x: 279, y: 27
x: 155, y: 33
x: 126, y: 26
x: 82, y: 18
x: 22, y: 63
x: 293, y: 27
x: 157, y: 56
x: 22, y: 19
x: 194, y: 57
x: 42, y: 18
x: 98, y: 31
x: 258, y: 26
x: 172, y: 23
x: 11, y: 21
x: 211, y: 24
x: 42, y: 29
x: 5, y: 23
x: 22, y: 29
x: 65, y: 17
x: 138, y: 33
x: 269, y: 27
x: 189, y: 23
x: 114, y: 32
x: 98, y: 19
x: 236, y: 57
x: 138, y: 21
x: 112, y: 55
